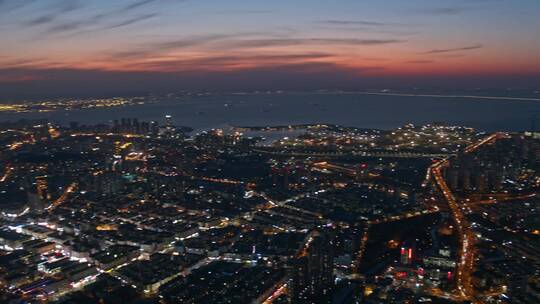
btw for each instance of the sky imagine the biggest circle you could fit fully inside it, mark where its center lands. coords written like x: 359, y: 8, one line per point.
x: 71, y: 47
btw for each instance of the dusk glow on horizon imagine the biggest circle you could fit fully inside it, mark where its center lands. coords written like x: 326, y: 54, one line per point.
x: 48, y: 43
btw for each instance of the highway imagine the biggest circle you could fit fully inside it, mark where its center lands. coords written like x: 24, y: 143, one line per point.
x: 501, y: 199
x: 335, y: 168
x: 282, y: 289
x: 404, y: 216
x: 63, y: 198
x: 378, y: 154
x: 7, y: 173
x: 492, y: 138
x: 361, y: 250
x: 466, y: 236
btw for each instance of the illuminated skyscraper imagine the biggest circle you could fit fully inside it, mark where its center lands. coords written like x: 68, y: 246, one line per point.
x: 42, y: 188
x: 312, y: 277
x: 168, y: 121
x: 406, y: 255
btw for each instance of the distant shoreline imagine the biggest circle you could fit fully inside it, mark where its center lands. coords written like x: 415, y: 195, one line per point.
x: 436, y: 95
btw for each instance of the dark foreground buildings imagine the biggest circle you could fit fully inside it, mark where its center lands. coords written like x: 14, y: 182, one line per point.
x: 139, y: 212
x: 311, y: 274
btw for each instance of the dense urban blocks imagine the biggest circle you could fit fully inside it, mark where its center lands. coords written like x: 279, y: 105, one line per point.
x: 148, y: 212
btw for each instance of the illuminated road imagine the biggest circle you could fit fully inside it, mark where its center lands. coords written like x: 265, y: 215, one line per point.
x: 336, y: 168
x: 340, y: 169
x: 19, y: 144
x: 389, y: 154
x: 466, y: 236
x: 501, y: 199
x: 63, y: 198
x: 222, y: 180
x: 404, y: 216
x: 492, y: 138
x: 468, y: 149
x: 361, y: 250
x: 7, y: 173
x: 279, y: 291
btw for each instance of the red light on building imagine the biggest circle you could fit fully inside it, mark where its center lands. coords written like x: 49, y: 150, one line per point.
x: 406, y: 255
x: 400, y: 275
x: 449, y: 275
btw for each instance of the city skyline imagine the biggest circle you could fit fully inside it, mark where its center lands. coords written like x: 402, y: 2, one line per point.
x: 73, y: 47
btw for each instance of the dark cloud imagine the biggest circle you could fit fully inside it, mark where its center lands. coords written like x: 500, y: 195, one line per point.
x: 354, y: 22
x: 363, y: 26
x: 131, y: 21
x: 242, y: 11
x: 303, y: 41
x: 465, y: 48
x: 42, y: 19
x: 91, y: 21
x: 80, y: 27
x: 469, y: 1
x: 451, y: 10
x: 19, y: 63
x: 69, y: 26
x: 233, y: 43
x: 229, y: 42
x: 137, y: 4
x: 230, y: 62
x: 420, y: 61
x: 8, y: 6
x: 150, y: 49
x: 62, y: 8
x: 252, y: 11
x: 189, y: 42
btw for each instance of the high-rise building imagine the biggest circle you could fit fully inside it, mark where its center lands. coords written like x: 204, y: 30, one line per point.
x: 466, y: 182
x: 311, y: 277
x: 154, y: 128
x: 362, y: 171
x: 168, y: 120
x: 406, y: 255
x: 42, y: 188
x: 169, y: 128
x: 35, y: 202
x: 286, y: 173
x: 452, y: 177
x: 480, y: 182
x: 136, y: 126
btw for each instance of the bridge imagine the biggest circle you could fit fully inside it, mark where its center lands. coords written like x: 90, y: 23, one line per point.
x: 374, y: 154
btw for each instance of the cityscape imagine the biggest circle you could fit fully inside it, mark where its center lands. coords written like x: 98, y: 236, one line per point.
x: 146, y: 212
x: 68, y: 104
x: 269, y: 152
